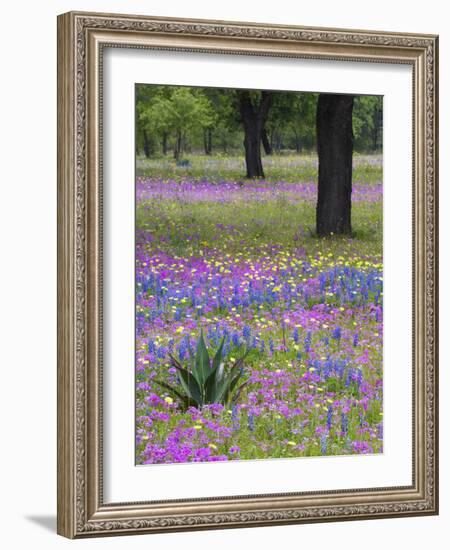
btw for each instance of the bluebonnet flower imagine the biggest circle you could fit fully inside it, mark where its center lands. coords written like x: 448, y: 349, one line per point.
x: 235, y: 418
x: 329, y: 417
x: 182, y: 350
x: 380, y: 430
x: 307, y: 341
x: 344, y: 423
x: 251, y: 422
x: 246, y: 332
x: 151, y: 346
x: 178, y: 314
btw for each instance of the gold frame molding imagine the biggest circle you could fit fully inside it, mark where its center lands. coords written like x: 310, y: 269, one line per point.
x: 81, y: 38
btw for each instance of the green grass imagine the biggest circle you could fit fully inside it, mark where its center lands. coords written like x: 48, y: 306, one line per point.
x: 189, y: 228
x: 286, y: 167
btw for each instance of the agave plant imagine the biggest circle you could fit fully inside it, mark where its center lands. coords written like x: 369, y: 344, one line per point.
x: 207, y: 380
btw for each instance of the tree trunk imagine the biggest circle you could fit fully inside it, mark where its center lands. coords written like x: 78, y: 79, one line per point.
x: 252, y: 144
x: 335, y: 150
x: 177, y: 147
x: 207, y: 141
x: 266, y: 143
x: 254, y: 119
x: 147, y: 145
x: 164, y: 144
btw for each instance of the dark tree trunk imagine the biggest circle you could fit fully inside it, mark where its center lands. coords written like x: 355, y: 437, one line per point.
x: 147, y: 145
x: 164, y: 144
x: 252, y: 144
x: 207, y: 141
x: 177, y: 147
x: 335, y: 150
x: 254, y: 119
x: 266, y: 143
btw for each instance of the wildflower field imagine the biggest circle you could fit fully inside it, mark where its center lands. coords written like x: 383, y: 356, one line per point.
x: 238, y: 262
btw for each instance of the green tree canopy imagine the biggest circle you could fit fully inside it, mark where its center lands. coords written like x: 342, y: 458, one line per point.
x: 368, y: 123
x: 176, y: 112
x: 209, y: 120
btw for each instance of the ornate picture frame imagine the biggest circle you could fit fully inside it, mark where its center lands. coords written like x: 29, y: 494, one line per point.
x: 82, y: 38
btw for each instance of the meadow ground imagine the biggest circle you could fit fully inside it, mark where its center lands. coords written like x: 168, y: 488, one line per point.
x: 239, y: 260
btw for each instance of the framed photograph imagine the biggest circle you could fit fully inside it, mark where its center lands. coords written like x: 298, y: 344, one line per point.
x: 247, y: 274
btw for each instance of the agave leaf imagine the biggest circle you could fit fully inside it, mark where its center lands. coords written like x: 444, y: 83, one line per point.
x: 190, y: 385
x: 219, y: 373
x: 219, y: 395
x: 215, y: 374
x: 185, y: 400
x: 237, y: 393
x: 175, y: 361
x: 209, y: 386
x: 224, y: 386
x: 235, y: 381
x: 229, y: 391
x: 191, y: 354
x: 169, y: 387
x: 214, y: 383
x: 202, y: 364
x: 218, y: 356
x: 240, y: 361
x: 237, y: 365
x: 207, y: 381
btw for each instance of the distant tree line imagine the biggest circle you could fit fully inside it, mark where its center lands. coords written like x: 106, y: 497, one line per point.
x: 176, y: 120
